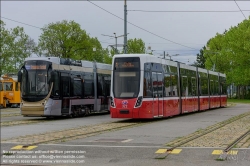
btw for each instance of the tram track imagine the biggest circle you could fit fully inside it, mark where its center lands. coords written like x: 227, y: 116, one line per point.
x: 218, y: 135
x: 21, y: 122
x: 229, y: 147
x: 228, y: 150
x: 42, y: 119
x: 9, y: 115
x: 72, y: 133
x: 90, y: 130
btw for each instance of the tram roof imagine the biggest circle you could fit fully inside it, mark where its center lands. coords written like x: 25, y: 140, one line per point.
x: 84, y: 63
x: 169, y: 62
x: 133, y: 55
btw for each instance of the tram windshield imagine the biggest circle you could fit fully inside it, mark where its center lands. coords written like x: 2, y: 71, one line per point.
x: 35, y: 83
x: 126, y: 77
x: 7, y: 86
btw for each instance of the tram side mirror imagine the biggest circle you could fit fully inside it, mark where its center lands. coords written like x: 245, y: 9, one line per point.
x: 19, y: 76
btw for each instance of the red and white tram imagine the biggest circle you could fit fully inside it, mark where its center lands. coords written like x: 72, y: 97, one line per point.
x: 144, y: 86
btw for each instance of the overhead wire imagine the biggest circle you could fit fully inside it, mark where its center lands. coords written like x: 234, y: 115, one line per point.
x: 240, y: 9
x: 136, y: 25
x: 22, y: 23
x: 141, y: 27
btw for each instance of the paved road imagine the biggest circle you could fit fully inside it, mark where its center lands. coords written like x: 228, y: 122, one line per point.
x: 51, y: 125
x: 137, y: 145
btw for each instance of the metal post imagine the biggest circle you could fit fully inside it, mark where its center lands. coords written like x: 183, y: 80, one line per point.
x: 95, y: 86
x: 115, y: 48
x: 116, y: 44
x: 164, y: 54
x: 125, y: 27
x: 169, y: 56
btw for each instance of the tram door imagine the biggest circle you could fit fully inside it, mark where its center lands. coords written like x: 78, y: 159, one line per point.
x: 184, y: 95
x: 65, y: 89
x: 157, y: 81
x: 194, y: 94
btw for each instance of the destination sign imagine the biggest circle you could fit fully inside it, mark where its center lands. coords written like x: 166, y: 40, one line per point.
x: 35, y: 67
x: 127, y: 62
x: 124, y: 64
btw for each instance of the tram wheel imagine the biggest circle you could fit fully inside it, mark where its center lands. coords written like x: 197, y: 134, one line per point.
x: 87, y: 112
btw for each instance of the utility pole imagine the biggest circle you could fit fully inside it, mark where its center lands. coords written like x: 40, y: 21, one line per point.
x: 125, y: 26
x: 116, y: 51
x: 115, y: 42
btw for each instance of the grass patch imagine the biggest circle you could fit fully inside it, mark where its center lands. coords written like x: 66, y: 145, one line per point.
x: 199, y: 130
x: 220, y: 159
x: 245, y: 101
x: 7, y: 153
x: 160, y: 158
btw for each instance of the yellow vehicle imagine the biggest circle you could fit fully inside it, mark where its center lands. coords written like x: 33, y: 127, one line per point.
x: 9, y: 91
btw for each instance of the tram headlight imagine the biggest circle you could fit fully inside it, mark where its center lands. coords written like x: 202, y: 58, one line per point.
x: 138, y: 102
x: 44, y: 103
x: 112, y: 102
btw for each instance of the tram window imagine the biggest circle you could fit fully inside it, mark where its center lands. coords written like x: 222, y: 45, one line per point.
x: 56, y: 85
x: 184, y: 86
x: 166, y: 68
x: 223, y: 88
x: 147, y: 90
x: 174, y: 82
x: 77, y: 87
x: 173, y: 69
x: 24, y: 85
x: 189, y: 87
x: 16, y: 86
x: 88, y: 85
x: 147, y: 66
x: 167, y: 86
x: 11, y: 87
x: 1, y: 86
x: 106, y: 86
x: 204, y: 86
x: 216, y: 87
x: 183, y: 71
x: 42, y: 83
x: 100, y: 86
x: 65, y: 85
x: 211, y: 87
x: 193, y: 81
x: 160, y: 85
x: 88, y: 88
x: 7, y: 86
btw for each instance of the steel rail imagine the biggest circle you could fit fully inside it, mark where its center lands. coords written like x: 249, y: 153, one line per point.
x: 229, y: 147
x: 193, y: 137
x: 74, y: 133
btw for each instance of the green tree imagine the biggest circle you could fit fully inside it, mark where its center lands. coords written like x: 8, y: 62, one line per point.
x: 15, y: 47
x: 136, y: 46
x: 108, y: 55
x: 229, y: 53
x: 66, y: 39
x: 213, y: 53
x: 200, y: 59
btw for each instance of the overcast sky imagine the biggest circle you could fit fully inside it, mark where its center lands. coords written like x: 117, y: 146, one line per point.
x: 177, y: 32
